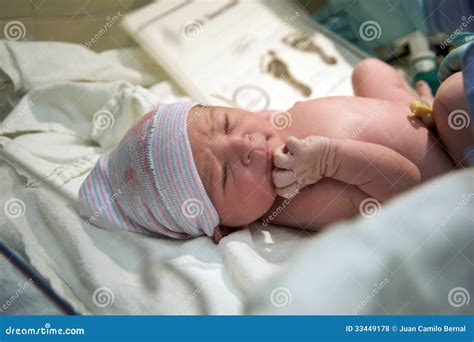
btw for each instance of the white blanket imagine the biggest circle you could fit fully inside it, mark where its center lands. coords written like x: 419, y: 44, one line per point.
x: 414, y: 256
x: 116, y: 272
x: 98, y: 271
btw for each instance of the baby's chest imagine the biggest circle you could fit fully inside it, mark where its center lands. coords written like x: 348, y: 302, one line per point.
x: 386, y: 124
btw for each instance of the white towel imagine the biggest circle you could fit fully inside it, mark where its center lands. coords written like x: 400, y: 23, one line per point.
x: 98, y: 271
x: 342, y: 270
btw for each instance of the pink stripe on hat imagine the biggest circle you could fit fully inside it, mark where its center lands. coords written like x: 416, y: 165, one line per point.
x: 149, y: 182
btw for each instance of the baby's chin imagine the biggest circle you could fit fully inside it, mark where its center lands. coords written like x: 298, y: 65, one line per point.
x: 264, y: 199
x: 253, y: 208
x: 270, y: 186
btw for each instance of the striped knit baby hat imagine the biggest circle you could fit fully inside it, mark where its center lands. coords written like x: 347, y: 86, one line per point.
x: 149, y: 182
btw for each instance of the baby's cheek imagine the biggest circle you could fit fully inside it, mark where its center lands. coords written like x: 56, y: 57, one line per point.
x: 261, y: 188
x: 252, y: 179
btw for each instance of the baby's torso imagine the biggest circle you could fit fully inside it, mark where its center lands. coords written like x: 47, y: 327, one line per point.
x: 376, y: 121
x: 390, y: 124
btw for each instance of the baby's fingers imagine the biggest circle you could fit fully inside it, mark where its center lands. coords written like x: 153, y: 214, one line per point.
x: 283, y: 160
x: 423, y: 89
x: 293, y: 144
x: 282, y: 178
x: 288, y: 191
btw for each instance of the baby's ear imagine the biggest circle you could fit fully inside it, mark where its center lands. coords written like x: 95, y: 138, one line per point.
x: 222, y: 231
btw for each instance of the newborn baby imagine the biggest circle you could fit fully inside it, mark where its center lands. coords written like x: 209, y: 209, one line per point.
x: 188, y: 170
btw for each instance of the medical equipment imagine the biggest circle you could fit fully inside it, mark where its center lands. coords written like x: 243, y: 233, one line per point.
x: 452, y: 62
x: 37, y: 279
x: 422, y: 60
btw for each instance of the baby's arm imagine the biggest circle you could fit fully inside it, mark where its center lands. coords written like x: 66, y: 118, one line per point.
x: 376, y: 170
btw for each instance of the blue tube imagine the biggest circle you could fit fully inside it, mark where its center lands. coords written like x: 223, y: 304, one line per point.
x: 38, y: 280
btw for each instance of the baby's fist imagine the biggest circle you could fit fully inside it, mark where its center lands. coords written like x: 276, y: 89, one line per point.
x: 300, y: 162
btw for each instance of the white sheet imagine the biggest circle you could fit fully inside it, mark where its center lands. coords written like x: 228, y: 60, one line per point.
x: 415, y: 257
x: 112, y: 272
x: 51, y: 130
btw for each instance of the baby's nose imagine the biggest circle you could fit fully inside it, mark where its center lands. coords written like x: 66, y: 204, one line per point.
x: 242, y: 146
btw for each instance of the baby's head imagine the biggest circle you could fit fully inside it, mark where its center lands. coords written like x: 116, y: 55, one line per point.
x: 184, y: 170
x: 232, y: 150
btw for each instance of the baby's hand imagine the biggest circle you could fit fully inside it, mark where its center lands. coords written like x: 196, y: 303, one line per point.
x: 301, y: 163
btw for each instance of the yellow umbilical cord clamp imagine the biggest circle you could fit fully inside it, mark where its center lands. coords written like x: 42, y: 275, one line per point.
x: 424, y: 111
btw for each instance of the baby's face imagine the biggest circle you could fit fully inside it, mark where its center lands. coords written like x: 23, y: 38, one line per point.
x: 232, y: 149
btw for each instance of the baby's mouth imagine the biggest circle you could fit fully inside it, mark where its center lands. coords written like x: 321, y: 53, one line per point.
x: 269, y: 155
x: 261, y: 144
